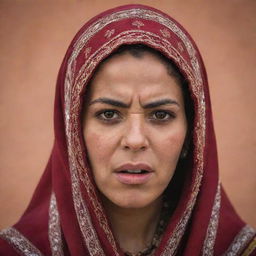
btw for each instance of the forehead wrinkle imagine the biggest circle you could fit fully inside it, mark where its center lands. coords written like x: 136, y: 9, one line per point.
x: 158, y: 102
x: 137, y: 93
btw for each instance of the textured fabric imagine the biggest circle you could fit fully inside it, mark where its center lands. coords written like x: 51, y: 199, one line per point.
x: 65, y: 215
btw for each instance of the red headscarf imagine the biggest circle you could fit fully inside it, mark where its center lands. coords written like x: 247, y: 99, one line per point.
x: 65, y: 215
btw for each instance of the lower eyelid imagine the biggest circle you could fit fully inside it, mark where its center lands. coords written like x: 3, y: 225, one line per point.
x: 166, y: 112
x: 99, y: 115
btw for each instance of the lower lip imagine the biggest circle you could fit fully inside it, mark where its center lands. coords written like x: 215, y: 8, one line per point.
x: 133, y: 179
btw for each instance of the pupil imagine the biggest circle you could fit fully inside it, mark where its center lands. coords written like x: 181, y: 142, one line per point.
x: 160, y: 114
x: 109, y: 114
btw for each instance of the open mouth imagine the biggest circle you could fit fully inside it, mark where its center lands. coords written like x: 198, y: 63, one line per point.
x: 134, y: 173
x: 137, y: 171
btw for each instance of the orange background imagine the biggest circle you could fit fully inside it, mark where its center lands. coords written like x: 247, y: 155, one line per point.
x: 34, y: 37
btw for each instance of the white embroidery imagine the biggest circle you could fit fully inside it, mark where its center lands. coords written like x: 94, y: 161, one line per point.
x: 180, y: 46
x: 138, y: 24
x: 240, y: 241
x: 73, y: 88
x: 209, y: 241
x: 87, y: 52
x: 109, y: 33
x: 20, y: 243
x: 54, y: 230
x: 83, y: 216
x: 165, y: 32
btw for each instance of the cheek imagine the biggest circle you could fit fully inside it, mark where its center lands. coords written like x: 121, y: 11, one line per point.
x: 171, y: 145
x: 99, y: 147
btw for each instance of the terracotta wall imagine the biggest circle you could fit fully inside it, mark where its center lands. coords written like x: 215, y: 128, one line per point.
x: 34, y: 36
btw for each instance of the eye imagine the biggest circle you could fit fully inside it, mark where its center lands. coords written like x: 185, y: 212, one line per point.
x: 161, y: 115
x: 108, y: 115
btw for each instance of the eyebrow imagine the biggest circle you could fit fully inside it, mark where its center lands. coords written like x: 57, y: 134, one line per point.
x: 161, y: 102
x: 121, y: 104
x: 109, y: 101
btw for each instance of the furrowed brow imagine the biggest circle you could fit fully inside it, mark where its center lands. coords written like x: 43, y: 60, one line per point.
x: 109, y: 101
x: 162, y: 102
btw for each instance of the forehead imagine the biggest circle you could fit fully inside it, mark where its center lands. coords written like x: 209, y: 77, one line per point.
x: 124, y: 75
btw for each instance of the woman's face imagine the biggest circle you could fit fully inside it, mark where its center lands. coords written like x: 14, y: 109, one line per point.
x: 134, y: 129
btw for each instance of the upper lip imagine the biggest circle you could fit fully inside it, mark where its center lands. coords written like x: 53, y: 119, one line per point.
x: 133, y: 166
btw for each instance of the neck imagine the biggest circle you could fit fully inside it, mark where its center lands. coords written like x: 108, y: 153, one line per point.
x: 133, y: 228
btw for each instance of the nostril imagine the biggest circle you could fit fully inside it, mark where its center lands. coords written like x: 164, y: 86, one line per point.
x: 134, y: 139
x: 142, y: 148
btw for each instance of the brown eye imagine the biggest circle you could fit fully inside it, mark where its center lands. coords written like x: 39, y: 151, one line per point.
x: 161, y: 115
x: 108, y: 114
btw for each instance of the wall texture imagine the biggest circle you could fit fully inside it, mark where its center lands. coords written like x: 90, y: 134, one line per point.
x: 34, y: 36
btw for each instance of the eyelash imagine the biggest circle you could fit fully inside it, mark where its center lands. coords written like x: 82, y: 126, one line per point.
x: 169, y: 115
x: 100, y: 115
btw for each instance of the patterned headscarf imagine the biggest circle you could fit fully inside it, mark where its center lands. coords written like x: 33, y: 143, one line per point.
x: 65, y: 215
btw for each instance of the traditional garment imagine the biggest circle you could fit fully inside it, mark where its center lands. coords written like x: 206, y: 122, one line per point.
x: 65, y: 215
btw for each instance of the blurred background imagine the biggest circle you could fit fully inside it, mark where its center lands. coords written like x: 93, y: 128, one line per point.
x: 34, y: 37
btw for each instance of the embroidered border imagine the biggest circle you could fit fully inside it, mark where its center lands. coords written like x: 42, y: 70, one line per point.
x: 172, y: 243
x: 72, y: 90
x: 126, y: 37
x: 20, y: 243
x: 155, y: 42
x: 251, y: 248
x: 85, y: 223
x: 209, y: 241
x: 54, y: 230
x: 132, y: 13
x: 240, y: 241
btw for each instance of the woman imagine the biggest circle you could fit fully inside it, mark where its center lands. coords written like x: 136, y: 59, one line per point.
x: 133, y: 169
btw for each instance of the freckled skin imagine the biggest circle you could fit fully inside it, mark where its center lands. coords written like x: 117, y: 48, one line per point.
x: 134, y: 136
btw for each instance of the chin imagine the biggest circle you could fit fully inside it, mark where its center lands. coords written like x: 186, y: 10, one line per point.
x: 132, y: 204
x: 132, y: 200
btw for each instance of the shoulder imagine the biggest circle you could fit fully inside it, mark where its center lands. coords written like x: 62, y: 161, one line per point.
x: 250, y: 249
x: 13, y: 243
x: 6, y: 249
x: 244, y: 243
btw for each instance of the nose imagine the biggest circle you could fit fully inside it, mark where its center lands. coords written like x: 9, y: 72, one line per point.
x: 134, y: 137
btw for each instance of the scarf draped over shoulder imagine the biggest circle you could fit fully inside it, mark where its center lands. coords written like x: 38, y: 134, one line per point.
x: 65, y: 215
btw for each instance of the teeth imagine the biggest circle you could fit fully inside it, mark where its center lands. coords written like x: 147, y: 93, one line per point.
x: 134, y: 171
